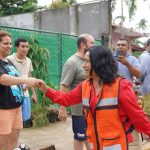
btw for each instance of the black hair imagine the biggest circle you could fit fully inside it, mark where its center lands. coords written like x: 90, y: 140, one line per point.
x: 103, y: 63
x: 17, y: 42
x: 122, y: 39
x: 80, y: 40
x: 148, y: 42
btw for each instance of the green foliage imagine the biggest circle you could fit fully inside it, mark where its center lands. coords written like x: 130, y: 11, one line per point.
x: 62, y: 3
x: 39, y: 116
x: 59, y: 4
x: 132, y: 7
x: 72, y: 2
x: 40, y: 57
x: 142, y: 25
x: 131, y: 4
x: 11, y: 7
x: 137, y: 54
x: 146, y: 104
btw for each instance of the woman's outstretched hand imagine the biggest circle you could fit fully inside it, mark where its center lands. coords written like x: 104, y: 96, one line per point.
x: 41, y: 85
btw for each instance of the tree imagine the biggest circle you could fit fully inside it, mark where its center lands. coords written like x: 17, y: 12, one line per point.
x: 131, y: 4
x: 11, y: 7
x: 132, y: 7
x: 70, y: 2
x: 142, y: 25
x: 62, y: 3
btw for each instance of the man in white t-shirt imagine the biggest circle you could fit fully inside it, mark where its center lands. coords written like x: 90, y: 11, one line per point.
x: 24, y: 66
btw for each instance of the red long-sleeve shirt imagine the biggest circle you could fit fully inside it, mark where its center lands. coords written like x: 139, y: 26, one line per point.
x: 128, y: 106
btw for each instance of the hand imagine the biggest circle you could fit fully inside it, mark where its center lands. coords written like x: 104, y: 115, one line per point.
x: 34, y: 98
x: 140, y: 98
x: 62, y: 115
x: 146, y: 138
x: 122, y: 59
x: 42, y: 85
x: 30, y: 81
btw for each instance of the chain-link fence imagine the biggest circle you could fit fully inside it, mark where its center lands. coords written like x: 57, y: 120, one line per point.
x: 60, y: 46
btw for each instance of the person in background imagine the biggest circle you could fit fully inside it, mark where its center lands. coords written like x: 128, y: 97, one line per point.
x: 73, y: 74
x: 128, y: 65
x: 24, y: 66
x: 11, y: 96
x: 144, y: 61
x: 112, y: 113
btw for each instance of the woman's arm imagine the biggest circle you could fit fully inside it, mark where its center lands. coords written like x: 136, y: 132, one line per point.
x: 65, y: 99
x: 130, y: 105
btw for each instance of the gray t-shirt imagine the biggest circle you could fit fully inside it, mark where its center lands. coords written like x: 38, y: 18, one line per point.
x: 72, y: 75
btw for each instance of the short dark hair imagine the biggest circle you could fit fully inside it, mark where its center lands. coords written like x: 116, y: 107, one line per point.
x: 17, y: 42
x: 3, y: 34
x: 103, y: 63
x: 148, y: 42
x: 80, y: 40
x: 122, y: 39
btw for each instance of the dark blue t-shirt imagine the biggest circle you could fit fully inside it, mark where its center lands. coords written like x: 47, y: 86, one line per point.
x: 10, y: 96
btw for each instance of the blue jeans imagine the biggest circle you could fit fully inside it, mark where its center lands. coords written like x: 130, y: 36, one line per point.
x: 26, y: 109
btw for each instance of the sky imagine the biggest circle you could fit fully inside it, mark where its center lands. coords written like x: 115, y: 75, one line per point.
x: 143, y: 11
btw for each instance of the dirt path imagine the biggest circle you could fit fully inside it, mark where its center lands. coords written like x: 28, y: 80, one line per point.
x: 59, y: 134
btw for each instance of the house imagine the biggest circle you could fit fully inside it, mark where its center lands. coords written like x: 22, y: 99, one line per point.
x: 129, y: 34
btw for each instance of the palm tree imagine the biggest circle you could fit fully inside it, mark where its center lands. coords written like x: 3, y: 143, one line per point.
x: 132, y: 7
x: 142, y: 25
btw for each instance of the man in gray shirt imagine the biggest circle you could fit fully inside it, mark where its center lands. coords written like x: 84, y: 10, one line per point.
x: 144, y: 61
x: 72, y: 75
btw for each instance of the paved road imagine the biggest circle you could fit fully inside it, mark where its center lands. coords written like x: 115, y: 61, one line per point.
x: 59, y: 134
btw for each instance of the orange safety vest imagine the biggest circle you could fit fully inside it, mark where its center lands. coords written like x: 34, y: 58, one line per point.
x: 105, y: 130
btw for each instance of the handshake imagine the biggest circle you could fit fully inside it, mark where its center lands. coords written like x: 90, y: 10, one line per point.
x: 33, y: 82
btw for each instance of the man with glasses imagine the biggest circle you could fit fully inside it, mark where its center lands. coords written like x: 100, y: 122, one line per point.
x: 128, y: 65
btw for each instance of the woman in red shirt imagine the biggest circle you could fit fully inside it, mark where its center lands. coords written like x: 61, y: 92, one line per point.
x: 110, y: 105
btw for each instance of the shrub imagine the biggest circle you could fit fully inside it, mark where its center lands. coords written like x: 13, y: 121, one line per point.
x: 39, y: 116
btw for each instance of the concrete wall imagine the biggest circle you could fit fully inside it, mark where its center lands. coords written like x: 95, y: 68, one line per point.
x: 21, y: 20
x: 53, y: 20
x: 91, y: 18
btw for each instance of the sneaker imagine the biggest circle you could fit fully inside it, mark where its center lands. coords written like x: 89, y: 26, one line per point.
x: 23, y: 147
x: 27, y: 123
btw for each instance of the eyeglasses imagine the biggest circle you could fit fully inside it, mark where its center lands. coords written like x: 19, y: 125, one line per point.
x: 121, y: 44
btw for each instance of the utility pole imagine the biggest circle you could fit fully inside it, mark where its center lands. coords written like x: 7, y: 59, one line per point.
x: 122, y: 20
x: 110, y: 24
